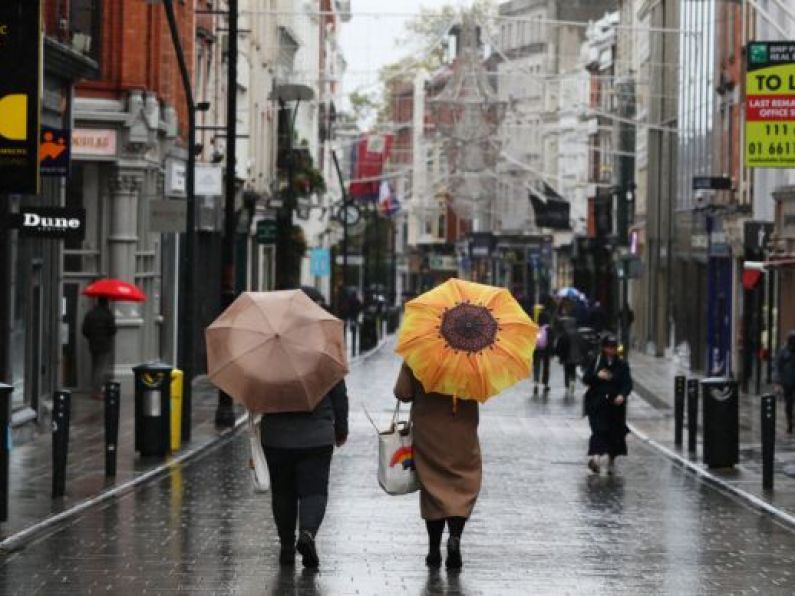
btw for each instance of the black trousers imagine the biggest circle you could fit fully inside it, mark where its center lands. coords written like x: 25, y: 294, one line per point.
x: 299, y: 488
x: 541, y: 367
x: 569, y: 372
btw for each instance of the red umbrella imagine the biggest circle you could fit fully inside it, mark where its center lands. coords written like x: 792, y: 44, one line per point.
x: 115, y: 289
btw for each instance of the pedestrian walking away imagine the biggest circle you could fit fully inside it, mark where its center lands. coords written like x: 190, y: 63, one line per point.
x: 298, y: 447
x: 448, y: 463
x: 784, y: 375
x: 568, y: 349
x: 609, y: 384
x: 99, y: 328
x: 447, y: 340
x: 541, y: 355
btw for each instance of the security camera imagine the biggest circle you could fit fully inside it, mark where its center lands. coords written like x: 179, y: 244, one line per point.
x: 703, y: 199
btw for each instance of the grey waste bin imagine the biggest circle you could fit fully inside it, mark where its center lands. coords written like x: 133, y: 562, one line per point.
x: 153, y: 408
x: 721, y: 422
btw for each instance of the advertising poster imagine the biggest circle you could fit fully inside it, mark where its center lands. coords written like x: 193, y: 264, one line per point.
x: 20, y: 55
x: 770, y: 105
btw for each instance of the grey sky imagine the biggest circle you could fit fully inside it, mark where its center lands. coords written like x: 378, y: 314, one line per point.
x: 370, y: 41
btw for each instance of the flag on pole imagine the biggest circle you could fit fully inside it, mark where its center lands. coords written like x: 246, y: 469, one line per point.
x: 388, y: 203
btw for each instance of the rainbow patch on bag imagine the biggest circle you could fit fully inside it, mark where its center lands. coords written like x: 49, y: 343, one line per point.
x: 403, y: 456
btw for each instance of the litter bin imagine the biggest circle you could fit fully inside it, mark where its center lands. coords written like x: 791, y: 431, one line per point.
x: 152, y: 408
x: 721, y: 422
x: 177, y: 378
x: 368, y: 332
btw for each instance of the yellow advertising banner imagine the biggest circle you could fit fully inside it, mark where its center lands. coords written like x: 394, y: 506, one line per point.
x: 770, y: 105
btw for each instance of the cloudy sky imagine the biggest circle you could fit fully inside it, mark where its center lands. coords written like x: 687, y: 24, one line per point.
x: 371, y: 38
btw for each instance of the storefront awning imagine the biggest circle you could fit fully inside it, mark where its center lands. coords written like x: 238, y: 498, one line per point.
x: 552, y: 210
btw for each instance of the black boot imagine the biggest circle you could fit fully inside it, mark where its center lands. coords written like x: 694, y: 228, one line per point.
x: 306, y: 546
x: 454, y: 560
x: 287, y: 556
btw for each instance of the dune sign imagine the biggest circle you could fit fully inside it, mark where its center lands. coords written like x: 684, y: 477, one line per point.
x: 20, y: 55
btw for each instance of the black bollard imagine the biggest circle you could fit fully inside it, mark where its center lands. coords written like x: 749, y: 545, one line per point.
x: 112, y: 407
x: 768, y: 439
x: 61, y: 412
x: 692, y: 414
x: 5, y: 446
x: 355, y: 337
x: 679, y: 409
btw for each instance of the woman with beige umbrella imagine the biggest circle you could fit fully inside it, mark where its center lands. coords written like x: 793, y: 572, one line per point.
x: 283, y: 356
x: 462, y: 344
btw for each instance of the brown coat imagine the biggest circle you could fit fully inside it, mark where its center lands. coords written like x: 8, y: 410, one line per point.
x: 446, y: 449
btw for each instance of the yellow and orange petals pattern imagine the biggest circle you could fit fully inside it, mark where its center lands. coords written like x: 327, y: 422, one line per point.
x: 466, y: 375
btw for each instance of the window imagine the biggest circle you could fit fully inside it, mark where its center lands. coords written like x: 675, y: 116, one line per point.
x: 85, y: 18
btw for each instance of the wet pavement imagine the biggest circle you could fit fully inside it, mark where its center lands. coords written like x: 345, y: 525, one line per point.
x: 543, y: 524
x: 654, y: 380
x: 31, y: 464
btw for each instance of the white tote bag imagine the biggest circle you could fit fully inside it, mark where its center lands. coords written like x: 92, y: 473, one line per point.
x: 257, y: 464
x: 396, y: 473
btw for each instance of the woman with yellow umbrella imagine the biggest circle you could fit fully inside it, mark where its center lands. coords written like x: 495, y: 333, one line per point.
x: 462, y: 343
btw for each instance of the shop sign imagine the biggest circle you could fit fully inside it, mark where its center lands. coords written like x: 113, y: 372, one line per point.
x: 54, y: 151
x: 353, y: 260
x: 442, y: 263
x: 167, y: 216
x: 712, y: 183
x: 50, y: 222
x: 175, y: 178
x: 320, y: 262
x: 770, y: 105
x: 209, y: 180
x: 266, y: 231
x: 20, y: 54
x: 93, y: 142
x: 757, y: 235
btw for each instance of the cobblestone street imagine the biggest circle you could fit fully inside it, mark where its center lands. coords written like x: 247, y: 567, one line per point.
x: 543, y: 523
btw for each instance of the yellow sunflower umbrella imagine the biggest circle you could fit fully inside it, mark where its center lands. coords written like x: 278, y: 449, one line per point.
x: 467, y: 340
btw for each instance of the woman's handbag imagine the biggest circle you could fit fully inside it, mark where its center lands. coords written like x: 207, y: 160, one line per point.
x: 396, y: 473
x: 257, y: 464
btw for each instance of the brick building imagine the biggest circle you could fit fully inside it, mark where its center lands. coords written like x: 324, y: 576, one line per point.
x: 129, y: 151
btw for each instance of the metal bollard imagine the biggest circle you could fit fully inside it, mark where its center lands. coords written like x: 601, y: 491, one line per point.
x: 112, y: 408
x: 679, y: 409
x: 692, y: 414
x: 768, y: 439
x: 61, y: 412
x: 355, y: 338
x: 5, y: 446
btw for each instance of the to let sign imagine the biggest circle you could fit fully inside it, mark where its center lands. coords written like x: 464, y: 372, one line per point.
x: 20, y: 55
x: 770, y: 105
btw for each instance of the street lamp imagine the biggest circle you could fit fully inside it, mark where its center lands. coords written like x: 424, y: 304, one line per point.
x: 284, y: 217
x: 186, y: 263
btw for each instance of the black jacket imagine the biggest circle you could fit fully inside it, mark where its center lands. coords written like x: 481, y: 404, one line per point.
x: 600, y: 392
x: 303, y: 430
x: 784, y: 368
x: 99, y: 327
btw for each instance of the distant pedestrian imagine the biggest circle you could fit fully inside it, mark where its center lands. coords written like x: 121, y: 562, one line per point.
x: 448, y: 463
x: 609, y: 384
x: 597, y: 317
x: 784, y: 375
x: 568, y: 349
x: 541, y: 355
x: 99, y: 328
x: 298, y: 447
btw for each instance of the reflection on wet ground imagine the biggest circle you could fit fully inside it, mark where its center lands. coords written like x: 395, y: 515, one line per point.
x: 543, y: 524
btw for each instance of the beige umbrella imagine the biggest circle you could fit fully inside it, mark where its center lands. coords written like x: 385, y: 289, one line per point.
x: 276, y: 351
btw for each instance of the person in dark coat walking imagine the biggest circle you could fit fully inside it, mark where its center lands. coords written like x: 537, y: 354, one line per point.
x: 542, y: 352
x: 568, y: 349
x: 298, y: 448
x: 784, y: 375
x: 609, y: 384
x: 99, y: 328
